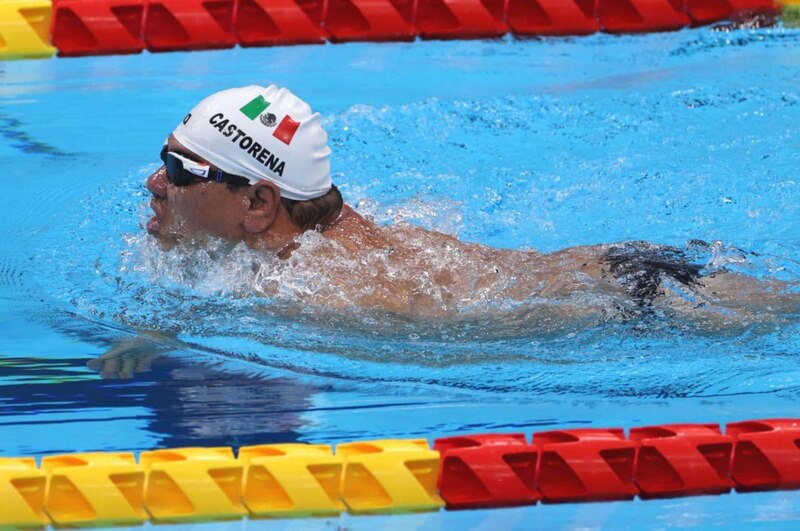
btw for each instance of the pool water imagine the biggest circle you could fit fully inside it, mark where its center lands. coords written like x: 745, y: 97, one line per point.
x: 108, y: 343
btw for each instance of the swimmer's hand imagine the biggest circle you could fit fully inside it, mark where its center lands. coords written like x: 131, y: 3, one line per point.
x: 131, y: 355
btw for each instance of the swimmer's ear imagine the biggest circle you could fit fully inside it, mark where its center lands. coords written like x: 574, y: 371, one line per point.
x: 264, y: 200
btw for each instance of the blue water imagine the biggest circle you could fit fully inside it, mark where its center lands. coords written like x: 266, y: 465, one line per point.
x: 108, y: 344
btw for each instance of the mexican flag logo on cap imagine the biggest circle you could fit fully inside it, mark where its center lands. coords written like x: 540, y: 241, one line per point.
x: 285, y: 130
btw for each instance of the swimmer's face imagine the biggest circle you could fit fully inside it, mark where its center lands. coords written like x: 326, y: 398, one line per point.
x: 201, y: 208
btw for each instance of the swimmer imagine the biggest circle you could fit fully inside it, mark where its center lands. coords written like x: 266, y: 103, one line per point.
x: 252, y: 165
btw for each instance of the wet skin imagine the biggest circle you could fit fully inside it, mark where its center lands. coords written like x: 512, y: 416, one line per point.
x: 427, y: 273
x: 200, y: 208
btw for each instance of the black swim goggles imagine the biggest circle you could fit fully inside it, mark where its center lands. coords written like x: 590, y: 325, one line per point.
x: 183, y: 171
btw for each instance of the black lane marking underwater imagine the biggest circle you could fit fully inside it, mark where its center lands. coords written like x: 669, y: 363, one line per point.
x: 13, y: 130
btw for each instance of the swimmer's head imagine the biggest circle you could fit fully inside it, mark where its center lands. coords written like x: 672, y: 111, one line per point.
x: 248, y: 163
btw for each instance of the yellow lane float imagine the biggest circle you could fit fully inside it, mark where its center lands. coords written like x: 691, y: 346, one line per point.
x: 25, y: 29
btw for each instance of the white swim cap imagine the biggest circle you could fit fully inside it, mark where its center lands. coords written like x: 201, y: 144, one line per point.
x: 261, y: 134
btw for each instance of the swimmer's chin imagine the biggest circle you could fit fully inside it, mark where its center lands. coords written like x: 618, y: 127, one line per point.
x: 165, y: 241
x: 168, y: 241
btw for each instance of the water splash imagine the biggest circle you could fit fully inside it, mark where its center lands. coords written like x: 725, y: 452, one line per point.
x: 555, y: 143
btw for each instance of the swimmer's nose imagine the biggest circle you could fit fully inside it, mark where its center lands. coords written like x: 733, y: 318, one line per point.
x: 157, y: 183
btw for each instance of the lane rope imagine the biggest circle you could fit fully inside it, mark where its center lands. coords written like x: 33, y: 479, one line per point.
x: 39, y: 28
x: 399, y: 475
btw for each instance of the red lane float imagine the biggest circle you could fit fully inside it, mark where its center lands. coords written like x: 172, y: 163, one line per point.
x: 171, y: 25
x: 552, y: 17
x: 585, y: 465
x: 369, y: 20
x: 97, y: 27
x: 275, y: 22
x: 740, y: 7
x: 766, y: 455
x: 640, y: 16
x: 460, y: 19
x: 707, y: 11
x: 492, y: 470
x: 681, y: 460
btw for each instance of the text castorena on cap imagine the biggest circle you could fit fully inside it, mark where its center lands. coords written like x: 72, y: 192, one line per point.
x: 261, y: 134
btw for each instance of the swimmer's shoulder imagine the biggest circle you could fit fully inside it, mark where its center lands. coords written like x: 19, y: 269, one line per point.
x: 354, y: 231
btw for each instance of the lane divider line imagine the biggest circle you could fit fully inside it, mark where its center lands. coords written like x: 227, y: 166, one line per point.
x: 388, y: 476
x: 104, y: 27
